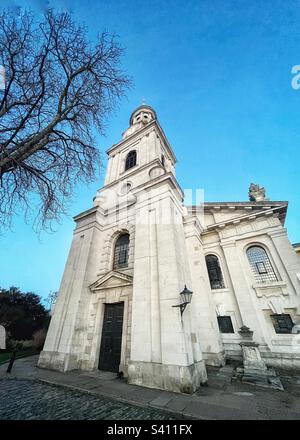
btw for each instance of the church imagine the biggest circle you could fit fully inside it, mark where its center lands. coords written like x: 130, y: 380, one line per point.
x: 155, y: 290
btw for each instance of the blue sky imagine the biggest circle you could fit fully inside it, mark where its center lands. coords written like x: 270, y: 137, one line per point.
x: 218, y: 73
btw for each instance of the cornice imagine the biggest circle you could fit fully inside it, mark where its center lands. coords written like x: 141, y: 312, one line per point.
x: 276, y: 233
x: 139, y: 133
x: 192, y: 227
x: 127, y: 203
x: 226, y: 205
x: 127, y: 175
x: 86, y: 213
x: 154, y: 182
x: 237, y: 220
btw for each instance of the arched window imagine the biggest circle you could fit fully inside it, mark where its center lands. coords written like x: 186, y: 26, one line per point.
x: 260, y: 264
x: 214, y: 272
x: 130, y: 160
x: 121, y: 252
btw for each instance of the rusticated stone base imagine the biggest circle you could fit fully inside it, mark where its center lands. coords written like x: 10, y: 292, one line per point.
x: 58, y: 361
x: 177, y: 378
x: 284, y: 361
x: 214, y: 359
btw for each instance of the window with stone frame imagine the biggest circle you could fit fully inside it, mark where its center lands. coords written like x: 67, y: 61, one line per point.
x: 282, y: 323
x: 121, y: 252
x: 261, y: 265
x: 225, y: 324
x: 214, y: 272
x: 130, y: 160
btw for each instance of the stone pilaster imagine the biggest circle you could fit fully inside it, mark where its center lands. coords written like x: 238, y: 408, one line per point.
x: 161, y: 348
x: 204, y: 318
x: 248, y: 311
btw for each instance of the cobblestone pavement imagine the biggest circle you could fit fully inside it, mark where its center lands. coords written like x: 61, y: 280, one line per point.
x: 30, y: 392
x: 25, y: 399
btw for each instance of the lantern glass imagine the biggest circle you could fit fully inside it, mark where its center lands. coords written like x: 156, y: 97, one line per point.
x: 186, y: 295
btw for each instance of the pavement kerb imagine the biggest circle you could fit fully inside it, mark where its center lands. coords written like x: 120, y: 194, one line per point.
x: 180, y: 415
x: 31, y: 379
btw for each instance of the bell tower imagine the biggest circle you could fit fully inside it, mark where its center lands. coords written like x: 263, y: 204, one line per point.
x: 146, y: 142
x: 128, y: 264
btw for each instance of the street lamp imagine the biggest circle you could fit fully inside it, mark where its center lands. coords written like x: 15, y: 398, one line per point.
x: 186, y: 297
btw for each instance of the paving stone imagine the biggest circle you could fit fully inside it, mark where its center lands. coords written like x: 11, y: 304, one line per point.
x: 179, y: 403
x: 161, y: 400
x: 202, y: 410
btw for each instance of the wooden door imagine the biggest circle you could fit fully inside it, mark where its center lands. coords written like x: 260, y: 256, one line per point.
x: 111, y: 341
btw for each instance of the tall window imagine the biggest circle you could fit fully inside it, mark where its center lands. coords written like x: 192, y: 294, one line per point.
x: 130, y: 160
x: 121, y: 252
x: 261, y: 265
x: 214, y: 272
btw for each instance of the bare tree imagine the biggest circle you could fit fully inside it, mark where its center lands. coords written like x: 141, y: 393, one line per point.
x: 59, y: 90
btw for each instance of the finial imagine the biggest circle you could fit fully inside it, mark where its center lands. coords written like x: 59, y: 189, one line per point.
x: 143, y: 101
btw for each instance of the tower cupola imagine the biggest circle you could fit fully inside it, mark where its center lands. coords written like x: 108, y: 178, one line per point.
x: 142, y: 116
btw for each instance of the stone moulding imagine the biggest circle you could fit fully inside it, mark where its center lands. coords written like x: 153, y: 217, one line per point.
x: 111, y: 280
x: 271, y: 289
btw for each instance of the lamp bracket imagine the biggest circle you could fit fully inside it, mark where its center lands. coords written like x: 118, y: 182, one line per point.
x: 182, y: 307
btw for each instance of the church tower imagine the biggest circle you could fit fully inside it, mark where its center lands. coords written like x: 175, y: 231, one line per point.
x: 126, y: 268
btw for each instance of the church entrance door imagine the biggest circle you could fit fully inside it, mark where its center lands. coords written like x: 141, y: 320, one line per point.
x: 110, y: 349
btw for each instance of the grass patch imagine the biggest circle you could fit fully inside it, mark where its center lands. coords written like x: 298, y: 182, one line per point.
x: 5, y: 356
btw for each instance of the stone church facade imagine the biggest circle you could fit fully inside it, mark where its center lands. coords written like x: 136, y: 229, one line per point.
x: 137, y: 248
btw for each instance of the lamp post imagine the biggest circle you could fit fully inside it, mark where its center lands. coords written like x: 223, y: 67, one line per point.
x: 186, y: 297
